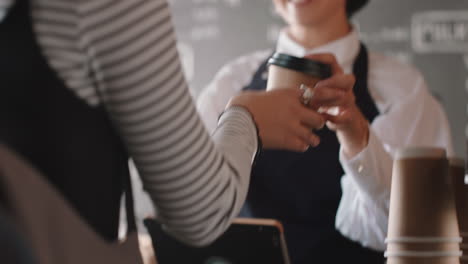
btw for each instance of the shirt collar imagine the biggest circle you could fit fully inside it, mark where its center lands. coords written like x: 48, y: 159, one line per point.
x: 345, y: 49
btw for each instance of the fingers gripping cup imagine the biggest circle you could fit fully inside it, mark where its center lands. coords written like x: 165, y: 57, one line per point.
x: 289, y: 71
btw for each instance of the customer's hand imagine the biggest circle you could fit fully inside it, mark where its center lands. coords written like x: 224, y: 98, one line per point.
x: 335, y: 94
x: 283, y: 121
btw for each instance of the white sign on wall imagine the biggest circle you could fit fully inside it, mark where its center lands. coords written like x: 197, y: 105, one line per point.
x: 440, y: 31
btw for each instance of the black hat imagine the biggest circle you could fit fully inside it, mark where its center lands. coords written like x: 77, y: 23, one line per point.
x: 352, y: 6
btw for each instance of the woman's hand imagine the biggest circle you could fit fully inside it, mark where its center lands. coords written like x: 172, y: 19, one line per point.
x: 334, y: 98
x: 283, y: 121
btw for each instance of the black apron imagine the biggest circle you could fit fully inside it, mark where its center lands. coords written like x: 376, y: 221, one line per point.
x: 303, y: 190
x: 73, y: 144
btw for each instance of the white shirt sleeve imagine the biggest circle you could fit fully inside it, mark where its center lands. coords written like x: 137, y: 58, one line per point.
x: 412, y: 118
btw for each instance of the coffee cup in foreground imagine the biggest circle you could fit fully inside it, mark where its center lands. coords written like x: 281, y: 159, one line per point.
x: 286, y: 71
x: 422, y: 202
x: 424, y: 244
x: 464, y: 260
x: 423, y: 257
x: 423, y: 260
x: 457, y: 174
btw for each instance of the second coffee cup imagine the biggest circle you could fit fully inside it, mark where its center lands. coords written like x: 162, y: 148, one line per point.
x: 286, y: 71
x: 457, y: 174
x: 421, y: 202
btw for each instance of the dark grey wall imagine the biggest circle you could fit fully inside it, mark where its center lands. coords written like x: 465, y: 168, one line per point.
x: 431, y: 34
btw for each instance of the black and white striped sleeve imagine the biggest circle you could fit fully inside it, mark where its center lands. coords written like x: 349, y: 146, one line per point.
x: 126, y: 51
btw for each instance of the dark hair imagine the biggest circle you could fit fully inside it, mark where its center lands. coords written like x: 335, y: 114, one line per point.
x: 352, y: 6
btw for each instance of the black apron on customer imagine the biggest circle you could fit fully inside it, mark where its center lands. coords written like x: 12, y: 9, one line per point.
x: 73, y: 144
x: 303, y: 190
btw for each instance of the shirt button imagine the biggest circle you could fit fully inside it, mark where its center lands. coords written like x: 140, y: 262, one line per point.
x: 360, y: 168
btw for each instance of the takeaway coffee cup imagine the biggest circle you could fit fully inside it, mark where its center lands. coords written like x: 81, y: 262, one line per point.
x: 288, y: 71
x: 422, y: 202
x: 424, y: 258
x: 464, y: 257
x: 457, y: 174
x: 423, y: 244
x: 464, y: 260
x: 423, y: 225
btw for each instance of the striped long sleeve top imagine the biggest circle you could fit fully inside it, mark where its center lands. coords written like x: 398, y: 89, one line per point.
x: 122, y: 54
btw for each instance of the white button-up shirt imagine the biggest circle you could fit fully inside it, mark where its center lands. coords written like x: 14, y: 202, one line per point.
x: 409, y: 116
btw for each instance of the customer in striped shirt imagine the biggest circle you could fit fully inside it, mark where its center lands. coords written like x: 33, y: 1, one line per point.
x: 120, y: 56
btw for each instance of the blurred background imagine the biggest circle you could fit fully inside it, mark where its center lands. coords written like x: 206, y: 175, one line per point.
x: 430, y: 34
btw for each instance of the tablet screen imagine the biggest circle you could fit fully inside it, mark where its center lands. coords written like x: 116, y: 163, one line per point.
x: 244, y: 242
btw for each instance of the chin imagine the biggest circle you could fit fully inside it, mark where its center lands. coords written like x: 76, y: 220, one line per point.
x: 305, y: 17
x: 309, y: 12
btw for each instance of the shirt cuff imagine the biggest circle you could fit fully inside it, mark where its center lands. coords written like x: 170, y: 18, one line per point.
x: 359, y: 220
x: 238, y: 126
x: 371, y: 169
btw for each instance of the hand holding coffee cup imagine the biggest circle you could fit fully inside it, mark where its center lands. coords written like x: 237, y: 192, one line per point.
x: 327, y: 89
x: 286, y: 72
x: 334, y: 97
x: 283, y: 122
